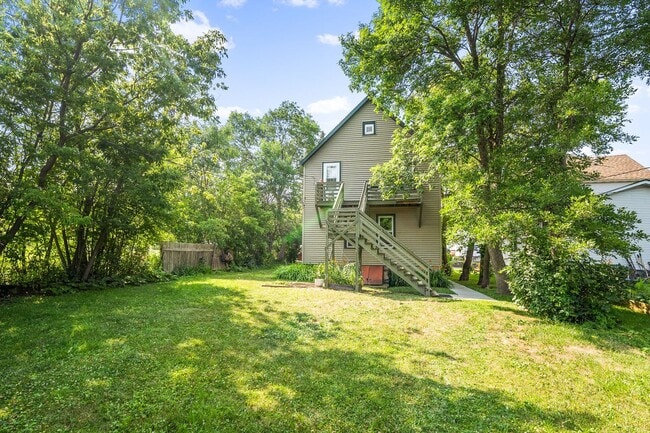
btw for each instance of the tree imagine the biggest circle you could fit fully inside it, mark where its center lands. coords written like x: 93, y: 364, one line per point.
x: 95, y: 97
x: 288, y: 135
x: 259, y: 216
x: 502, y: 101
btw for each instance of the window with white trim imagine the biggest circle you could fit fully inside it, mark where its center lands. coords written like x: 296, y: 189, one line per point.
x: 332, y: 171
x: 369, y: 128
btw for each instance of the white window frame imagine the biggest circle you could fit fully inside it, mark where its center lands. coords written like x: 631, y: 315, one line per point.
x: 337, y: 166
x: 369, y: 128
x: 391, y: 231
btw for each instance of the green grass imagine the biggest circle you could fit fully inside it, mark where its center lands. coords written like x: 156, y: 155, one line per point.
x: 223, y: 353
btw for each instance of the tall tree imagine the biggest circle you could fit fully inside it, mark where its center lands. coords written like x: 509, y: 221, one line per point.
x: 94, y: 96
x: 264, y: 151
x: 497, y: 95
x: 289, y: 134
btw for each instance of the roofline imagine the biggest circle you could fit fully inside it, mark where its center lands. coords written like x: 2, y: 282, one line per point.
x: 626, y: 187
x: 335, y: 130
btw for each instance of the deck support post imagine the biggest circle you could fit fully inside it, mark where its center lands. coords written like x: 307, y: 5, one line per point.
x: 359, y: 254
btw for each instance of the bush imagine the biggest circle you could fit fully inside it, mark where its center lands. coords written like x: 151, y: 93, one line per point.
x: 295, y: 272
x: 438, y: 279
x: 339, y: 273
x: 571, y: 290
x: 640, y: 291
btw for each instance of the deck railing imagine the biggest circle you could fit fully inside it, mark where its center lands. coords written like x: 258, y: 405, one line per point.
x: 326, y: 192
x: 375, y: 194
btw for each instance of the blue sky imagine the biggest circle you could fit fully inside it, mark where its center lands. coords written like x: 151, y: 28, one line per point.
x: 288, y: 50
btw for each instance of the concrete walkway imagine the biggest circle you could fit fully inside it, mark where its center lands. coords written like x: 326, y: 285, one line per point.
x: 466, y: 293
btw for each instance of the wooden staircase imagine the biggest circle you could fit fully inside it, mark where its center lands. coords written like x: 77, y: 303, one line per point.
x: 355, y: 226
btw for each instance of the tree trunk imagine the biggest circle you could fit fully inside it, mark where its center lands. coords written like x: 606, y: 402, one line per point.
x: 467, y: 264
x: 99, y: 246
x: 498, y: 263
x: 446, y: 266
x: 484, y: 274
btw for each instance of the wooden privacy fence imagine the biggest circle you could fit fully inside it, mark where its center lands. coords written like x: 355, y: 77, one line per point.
x: 175, y: 255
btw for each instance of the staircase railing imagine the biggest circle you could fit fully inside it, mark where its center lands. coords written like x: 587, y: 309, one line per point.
x: 399, y: 259
x: 363, y: 201
x: 356, y: 226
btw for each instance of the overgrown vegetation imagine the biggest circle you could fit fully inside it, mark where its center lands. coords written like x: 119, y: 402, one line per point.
x: 567, y: 289
x: 640, y: 291
x: 296, y: 272
x: 339, y: 273
x: 222, y: 353
x: 439, y: 279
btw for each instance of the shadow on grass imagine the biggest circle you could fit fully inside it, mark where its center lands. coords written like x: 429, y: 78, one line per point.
x: 513, y: 310
x: 211, y: 359
x: 632, y: 332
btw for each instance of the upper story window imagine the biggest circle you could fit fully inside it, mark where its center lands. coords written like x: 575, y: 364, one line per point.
x: 369, y: 128
x: 332, y: 171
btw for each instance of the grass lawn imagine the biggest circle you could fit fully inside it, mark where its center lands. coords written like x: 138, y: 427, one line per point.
x: 223, y: 353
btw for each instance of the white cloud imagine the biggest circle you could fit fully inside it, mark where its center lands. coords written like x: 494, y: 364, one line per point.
x: 308, y: 3
x: 634, y: 108
x: 328, y: 39
x: 232, y: 3
x: 336, y: 104
x: 301, y: 3
x: 224, y: 112
x: 191, y: 30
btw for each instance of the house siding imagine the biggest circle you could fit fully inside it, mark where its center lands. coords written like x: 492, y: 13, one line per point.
x: 357, y: 154
x: 638, y: 200
x: 602, y: 187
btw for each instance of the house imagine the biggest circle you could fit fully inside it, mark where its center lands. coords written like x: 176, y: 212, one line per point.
x: 358, y: 223
x: 627, y: 184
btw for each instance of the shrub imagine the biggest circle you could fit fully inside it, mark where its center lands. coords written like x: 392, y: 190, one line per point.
x: 640, y: 291
x: 438, y: 279
x: 296, y: 272
x: 570, y: 290
x: 339, y: 273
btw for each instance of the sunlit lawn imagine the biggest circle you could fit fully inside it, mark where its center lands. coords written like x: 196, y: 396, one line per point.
x: 225, y: 354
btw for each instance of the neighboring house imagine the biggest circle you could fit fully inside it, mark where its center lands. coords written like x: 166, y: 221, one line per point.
x: 627, y: 184
x: 356, y: 222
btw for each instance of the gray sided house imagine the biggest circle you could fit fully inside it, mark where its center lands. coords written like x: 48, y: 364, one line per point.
x: 627, y: 184
x: 356, y: 222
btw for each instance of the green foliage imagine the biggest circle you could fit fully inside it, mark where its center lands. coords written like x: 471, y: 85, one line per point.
x: 439, y: 279
x: 296, y: 272
x: 339, y: 273
x: 640, y: 291
x: 495, y: 98
x: 569, y: 289
x: 243, y: 185
x: 97, y: 98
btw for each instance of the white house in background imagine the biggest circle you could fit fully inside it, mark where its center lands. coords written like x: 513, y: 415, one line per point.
x: 627, y: 184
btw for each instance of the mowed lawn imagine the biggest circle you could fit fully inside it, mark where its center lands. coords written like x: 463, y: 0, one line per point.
x: 223, y: 353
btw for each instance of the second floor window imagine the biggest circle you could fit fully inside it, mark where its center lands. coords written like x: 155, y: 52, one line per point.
x: 332, y: 171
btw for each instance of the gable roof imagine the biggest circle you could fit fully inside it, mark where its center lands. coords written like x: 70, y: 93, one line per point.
x: 616, y: 168
x: 324, y: 140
